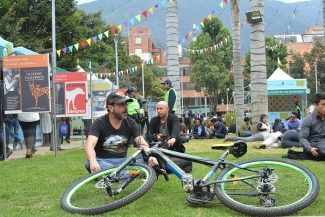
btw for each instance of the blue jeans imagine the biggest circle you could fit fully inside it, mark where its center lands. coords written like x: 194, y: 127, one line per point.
x: 246, y: 134
x: 108, y: 162
x: 11, y: 123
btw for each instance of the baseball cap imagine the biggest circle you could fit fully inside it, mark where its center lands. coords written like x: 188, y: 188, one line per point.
x: 133, y: 89
x: 117, y: 97
x: 167, y: 81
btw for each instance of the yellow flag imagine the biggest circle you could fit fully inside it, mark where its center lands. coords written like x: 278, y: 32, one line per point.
x: 58, y: 52
x: 89, y: 41
x: 120, y: 27
x: 151, y: 10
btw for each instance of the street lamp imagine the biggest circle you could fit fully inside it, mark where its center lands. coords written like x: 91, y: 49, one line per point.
x: 227, y: 99
x: 116, y: 59
x: 316, y: 83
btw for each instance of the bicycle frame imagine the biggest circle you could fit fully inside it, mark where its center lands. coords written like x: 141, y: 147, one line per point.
x: 162, y: 156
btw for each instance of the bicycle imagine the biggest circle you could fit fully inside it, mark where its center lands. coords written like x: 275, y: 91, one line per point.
x: 256, y: 187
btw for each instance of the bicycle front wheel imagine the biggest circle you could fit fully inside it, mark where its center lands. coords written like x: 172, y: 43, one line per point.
x: 291, y: 187
x: 89, y: 194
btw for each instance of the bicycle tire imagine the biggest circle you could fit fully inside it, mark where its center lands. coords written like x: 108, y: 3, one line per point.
x: 289, y: 198
x: 88, y: 195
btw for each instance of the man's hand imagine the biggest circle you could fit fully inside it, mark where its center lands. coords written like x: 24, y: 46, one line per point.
x: 314, y: 152
x: 94, y: 166
x: 171, y: 142
x: 160, y: 139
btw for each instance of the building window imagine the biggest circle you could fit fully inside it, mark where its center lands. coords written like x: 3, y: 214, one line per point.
x: 137, y: 51
x: 137, y: 41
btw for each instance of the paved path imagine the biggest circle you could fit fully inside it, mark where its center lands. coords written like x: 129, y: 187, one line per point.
x: 42, y: 150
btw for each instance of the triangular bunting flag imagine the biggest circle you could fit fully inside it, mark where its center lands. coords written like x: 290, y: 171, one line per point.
x: 126, y: 24
x: 106, y: 33
x: 209, y: 17
x: 145, y: 14
x: 120, y: 27
x: 95, y: 39
x: 190, y: 33
x: 64, y: 50
x: 221, y: 4
x: 70, y: 48
x: 186, y: 36
x: 226, y: 1
x: 151, y: 10
x: 100, y: 36
x: 163, y: 2
x: 89, y: 41
x: 206, y: 20
x: 76, y: 46
x: 138, y: 17
x: 132, y: 21
x: 58, y: 52
x: 83, y: 44
x: 202, y: 24
x: 113, y: 30
x: 156, y: 5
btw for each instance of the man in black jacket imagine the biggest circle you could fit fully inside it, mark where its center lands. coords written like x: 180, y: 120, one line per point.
x: 165, y: 127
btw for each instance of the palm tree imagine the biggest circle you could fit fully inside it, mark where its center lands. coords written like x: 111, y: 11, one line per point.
x: 238, y: 75
x: 259, y: 97
x: 172, y: 48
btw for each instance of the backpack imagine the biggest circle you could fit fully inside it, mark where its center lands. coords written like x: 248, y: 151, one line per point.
x: 63, y: 129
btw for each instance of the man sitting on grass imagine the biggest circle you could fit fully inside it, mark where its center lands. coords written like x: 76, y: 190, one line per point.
x: 217, y: 129
x: 198, y: 130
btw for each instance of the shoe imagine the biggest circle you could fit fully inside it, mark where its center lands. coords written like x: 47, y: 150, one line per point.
x: 285, y: 156
x: 33, y: 151
x: 262, y: 146
x: 67, y: 140
x: 227, y: 138
x: 22, y: 145
x: 9, y: 153
x: 29, y: 153
x: 61, y: 149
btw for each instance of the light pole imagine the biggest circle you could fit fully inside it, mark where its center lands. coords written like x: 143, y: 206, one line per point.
x: 316, y: 83
x: 205, y: 102
x: 116, y: 59
x: 227, y: 99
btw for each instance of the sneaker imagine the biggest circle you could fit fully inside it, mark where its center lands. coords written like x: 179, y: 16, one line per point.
x: 262, y: 146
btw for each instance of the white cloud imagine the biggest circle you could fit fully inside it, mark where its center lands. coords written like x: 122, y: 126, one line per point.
x: 84, y: 1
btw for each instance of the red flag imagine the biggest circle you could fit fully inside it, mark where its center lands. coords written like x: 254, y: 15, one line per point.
x: 226, y: 1
x: 83, y: 43
x: 145, y: 14
x: 206, y: 20
x: 113, y: 30
x: 186, y: 36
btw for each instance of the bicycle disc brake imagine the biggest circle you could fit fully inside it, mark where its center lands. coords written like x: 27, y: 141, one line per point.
x: 266, y: 187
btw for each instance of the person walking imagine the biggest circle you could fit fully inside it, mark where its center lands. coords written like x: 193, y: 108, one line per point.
x: 170, y: 96
x: 46, y: 128
x: 187, y: 118
x: 28, y: 123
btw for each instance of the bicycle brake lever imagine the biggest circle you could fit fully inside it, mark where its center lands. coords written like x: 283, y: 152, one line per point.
x: 162, y: 171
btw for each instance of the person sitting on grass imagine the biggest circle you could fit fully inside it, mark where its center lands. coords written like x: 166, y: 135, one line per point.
x: 217, y: 129
x: 277, y: 126
x: 288, y: 139
x: 263, y: 127
x: 198, y: 130
x: 293, y: 123
x: 245, y: 128
x: 182, y: 131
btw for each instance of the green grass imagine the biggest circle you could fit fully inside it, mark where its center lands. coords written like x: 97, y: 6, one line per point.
x: 33, y: 187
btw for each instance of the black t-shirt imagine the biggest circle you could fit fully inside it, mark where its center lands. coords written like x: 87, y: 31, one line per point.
x: 113, y: 143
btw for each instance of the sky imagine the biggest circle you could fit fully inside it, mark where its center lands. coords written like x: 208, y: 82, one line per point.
x: 286, y: 1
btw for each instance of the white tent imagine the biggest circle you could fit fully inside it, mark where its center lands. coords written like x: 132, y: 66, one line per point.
x: 279, y: 74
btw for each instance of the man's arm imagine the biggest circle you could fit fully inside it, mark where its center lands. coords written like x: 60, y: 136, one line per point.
x: 304, y: 133
x: 91, y: 154
x: 142, y: 142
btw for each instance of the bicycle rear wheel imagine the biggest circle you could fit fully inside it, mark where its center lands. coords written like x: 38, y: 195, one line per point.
x: 295, y: 187
x: 89, y: 196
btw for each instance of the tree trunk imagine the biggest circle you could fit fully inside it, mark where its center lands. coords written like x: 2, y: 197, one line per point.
x: 173, y: 71
x: 259, y: 96
x: 238, y: 74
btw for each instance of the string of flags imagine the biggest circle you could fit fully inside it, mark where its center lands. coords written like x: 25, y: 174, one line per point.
x: 211, y: 48
x: 127, y: 71
x: 92, y: 40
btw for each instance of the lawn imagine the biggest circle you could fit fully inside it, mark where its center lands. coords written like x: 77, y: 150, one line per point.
x: 33, y: 187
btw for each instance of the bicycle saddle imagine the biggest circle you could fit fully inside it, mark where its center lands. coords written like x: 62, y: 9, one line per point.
x: 237, y: 149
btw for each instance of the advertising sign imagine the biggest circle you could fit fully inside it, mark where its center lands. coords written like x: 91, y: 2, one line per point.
x: 26, y: 83
x: 71, y: 93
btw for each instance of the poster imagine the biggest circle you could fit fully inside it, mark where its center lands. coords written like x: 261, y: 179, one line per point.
x: 26, y: 84
x: 71, y: 94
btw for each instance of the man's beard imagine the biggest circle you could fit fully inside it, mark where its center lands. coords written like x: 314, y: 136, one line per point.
x: 119, y: 116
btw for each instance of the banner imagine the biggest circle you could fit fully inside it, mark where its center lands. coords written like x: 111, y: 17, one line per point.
x: 26, y: 83
x: 71, y: 94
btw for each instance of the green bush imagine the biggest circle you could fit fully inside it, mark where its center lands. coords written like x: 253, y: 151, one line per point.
x: 230, y: 118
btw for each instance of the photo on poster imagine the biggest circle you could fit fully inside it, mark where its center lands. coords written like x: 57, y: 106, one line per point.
x: 60, y: 95
x: 35, y: 94
x: 75, y: 97
x: 11, y: 90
